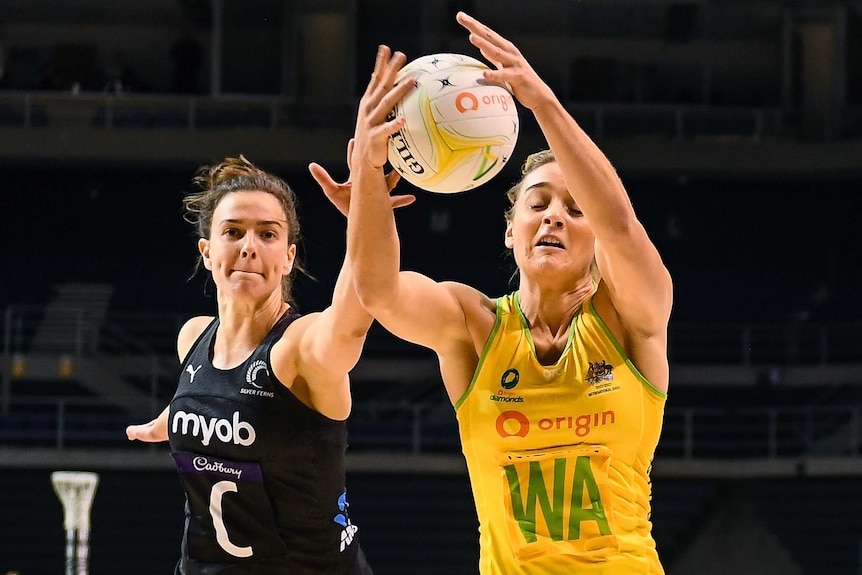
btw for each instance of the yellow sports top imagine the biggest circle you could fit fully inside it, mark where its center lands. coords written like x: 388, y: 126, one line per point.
x: 559, y: 455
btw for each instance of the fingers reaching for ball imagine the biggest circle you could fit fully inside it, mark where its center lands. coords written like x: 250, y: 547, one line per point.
x: 339, y: 192
x: 498, y: 50
x: 374, y: 123
x: 513, y: 70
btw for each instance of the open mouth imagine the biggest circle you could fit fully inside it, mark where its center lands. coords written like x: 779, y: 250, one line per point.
x: 550, y: 243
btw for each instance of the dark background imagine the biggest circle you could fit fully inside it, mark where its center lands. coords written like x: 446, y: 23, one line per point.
x: 738, y: 250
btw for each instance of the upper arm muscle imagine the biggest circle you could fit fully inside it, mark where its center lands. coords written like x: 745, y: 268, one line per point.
x: 639, y: 284
x: 424, y: 312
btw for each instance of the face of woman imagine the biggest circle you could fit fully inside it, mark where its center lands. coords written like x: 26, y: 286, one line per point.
x: 247, y: 251
x: 547, y: 230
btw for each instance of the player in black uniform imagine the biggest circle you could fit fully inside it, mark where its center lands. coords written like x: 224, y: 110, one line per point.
x: 257, y: 424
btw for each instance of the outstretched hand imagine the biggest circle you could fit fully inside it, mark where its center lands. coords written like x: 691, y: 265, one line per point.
x: 150, y: 432
x: 339, y: 193
x: 374, y: 124
x: 512, y: 68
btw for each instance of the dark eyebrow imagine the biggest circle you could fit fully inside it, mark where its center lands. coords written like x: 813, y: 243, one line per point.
x: 536, y: 185
x: 539, y: 186
x: 279, y: 223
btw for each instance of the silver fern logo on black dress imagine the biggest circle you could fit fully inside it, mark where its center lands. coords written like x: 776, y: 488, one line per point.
x: 255, y: 367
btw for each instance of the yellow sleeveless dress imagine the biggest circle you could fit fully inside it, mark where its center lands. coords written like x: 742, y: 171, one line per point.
x: 559, y: 455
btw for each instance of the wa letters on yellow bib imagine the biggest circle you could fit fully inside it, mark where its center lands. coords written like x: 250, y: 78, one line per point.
x: 558, y: 501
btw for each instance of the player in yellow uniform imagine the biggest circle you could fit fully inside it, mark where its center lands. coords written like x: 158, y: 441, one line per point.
x: 560, y: 451
x: 559, y: 388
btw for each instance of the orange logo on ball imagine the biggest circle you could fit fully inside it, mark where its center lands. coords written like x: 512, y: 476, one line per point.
x: 472, y: 101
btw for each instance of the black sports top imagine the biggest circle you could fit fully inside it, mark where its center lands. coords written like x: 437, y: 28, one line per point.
x: 263, y: 473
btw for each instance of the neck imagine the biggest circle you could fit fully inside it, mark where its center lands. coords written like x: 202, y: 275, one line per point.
x: 243, y: 327
x: 551, y: 309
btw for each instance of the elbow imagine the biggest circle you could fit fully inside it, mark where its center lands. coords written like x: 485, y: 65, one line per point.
x: 626, y: 225
x: 374, y: 296
x: 372, y: 302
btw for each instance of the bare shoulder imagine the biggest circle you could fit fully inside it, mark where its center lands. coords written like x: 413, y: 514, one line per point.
x: 190, y: 332
x: 479, y: 310
x: 285, y: 350
x: 471, y: 299
x: 648, y: 352
x: 297, y: 327
x: 466, y: 336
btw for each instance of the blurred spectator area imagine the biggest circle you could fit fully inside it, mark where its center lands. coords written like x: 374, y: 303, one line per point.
x: 734, y: 126
x: 667, y: 86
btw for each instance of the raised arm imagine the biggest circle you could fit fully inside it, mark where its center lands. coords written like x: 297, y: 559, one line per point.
x: 317, y: 351
x: 638, y: 283
x: 410, y: 305
x: 331, y: 341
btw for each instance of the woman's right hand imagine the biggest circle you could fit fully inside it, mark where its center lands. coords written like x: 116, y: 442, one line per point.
x: 512, y: 68
x: 373, y: 125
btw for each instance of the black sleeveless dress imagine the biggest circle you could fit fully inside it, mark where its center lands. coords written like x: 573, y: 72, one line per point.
x: 263, y: 474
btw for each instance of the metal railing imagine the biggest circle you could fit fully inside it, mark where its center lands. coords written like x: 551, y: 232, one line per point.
x: 67, y: 421
x: 689, y: 433
x: 677, y: 122
x: 827, y: 426
x: 36, y: 347
x: 745, y: 344
x: 788, y: 343
x: 22, y: 109
x: 761, y: 432
x: 142, y: 111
